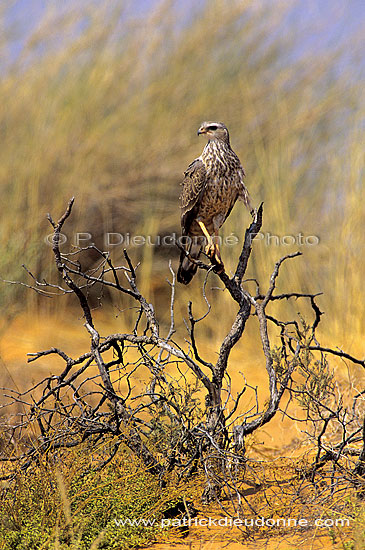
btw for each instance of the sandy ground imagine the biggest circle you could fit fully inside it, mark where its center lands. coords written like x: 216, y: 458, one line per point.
x: 25, y: 335
x: 226, y: 540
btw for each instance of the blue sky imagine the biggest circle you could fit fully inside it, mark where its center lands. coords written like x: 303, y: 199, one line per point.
x: 321, y: 24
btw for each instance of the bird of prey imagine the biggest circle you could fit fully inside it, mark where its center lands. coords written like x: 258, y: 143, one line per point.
x: 212, y: 184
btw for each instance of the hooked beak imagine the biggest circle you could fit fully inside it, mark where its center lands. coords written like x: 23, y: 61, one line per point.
x: 202, y: 130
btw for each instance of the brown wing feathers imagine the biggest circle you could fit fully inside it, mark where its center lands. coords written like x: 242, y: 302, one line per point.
x: 193, y: 188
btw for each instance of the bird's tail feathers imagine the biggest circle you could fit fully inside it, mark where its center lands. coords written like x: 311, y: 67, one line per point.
x: 187, y: 268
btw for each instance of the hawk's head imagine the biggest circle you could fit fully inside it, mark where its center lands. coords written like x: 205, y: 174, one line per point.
x: 214, y: 130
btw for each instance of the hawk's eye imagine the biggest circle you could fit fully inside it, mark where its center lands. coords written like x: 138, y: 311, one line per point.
x: 213, y: 128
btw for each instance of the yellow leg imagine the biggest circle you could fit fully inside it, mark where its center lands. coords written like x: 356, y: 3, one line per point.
x: 212, y: 249
x: 217, y: 252
x: 209, y: 249
x: 205, y: 231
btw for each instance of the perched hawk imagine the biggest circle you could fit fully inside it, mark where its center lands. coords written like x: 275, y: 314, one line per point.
x: 212, y: 184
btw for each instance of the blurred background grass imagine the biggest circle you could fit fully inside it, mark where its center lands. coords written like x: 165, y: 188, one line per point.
x: 103, y: 102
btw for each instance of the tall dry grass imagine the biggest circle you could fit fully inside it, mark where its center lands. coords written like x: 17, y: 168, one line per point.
x: 104, y: 105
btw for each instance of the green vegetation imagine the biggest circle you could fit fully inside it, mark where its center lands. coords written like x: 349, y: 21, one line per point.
x: 66, y: 504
